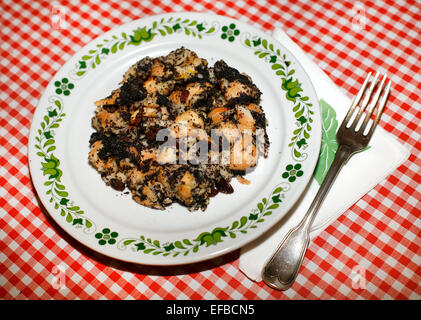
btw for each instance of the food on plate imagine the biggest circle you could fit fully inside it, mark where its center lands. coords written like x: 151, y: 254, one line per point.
x: 178, y: 130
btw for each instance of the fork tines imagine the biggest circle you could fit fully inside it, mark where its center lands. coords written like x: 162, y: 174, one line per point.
x: 369, y: 100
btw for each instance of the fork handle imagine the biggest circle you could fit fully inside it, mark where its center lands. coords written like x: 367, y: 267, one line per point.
x: 282, y: 268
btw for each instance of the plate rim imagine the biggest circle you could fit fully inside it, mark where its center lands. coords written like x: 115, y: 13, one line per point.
x: 192, y: 258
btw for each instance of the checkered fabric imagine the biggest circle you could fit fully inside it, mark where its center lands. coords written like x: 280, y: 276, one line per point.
x: 370, y: 252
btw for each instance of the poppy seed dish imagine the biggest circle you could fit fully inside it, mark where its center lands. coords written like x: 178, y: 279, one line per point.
x: 178, y: 130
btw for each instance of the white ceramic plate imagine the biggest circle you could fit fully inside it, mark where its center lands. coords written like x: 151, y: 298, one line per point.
x: 113, y: 224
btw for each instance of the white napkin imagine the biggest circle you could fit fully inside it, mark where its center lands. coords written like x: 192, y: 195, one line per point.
x: 362, y: 173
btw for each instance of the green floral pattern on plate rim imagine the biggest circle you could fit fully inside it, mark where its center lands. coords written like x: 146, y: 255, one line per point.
x: 169, y: 25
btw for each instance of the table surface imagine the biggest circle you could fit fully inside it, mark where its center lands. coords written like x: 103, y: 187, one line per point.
x: 377, y: 239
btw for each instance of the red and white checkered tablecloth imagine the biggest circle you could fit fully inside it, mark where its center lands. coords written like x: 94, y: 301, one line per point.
x: 377, y: 240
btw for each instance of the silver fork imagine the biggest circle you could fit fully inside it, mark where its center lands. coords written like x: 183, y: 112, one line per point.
x: 352, y: 136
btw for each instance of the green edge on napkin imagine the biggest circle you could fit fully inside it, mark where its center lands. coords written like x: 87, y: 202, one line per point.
x: 329, y: 143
